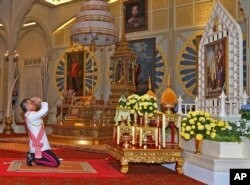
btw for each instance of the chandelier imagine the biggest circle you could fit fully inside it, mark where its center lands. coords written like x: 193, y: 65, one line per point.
x: 94, y: 25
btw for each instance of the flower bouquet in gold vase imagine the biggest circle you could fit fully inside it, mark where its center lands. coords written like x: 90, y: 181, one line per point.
x: 142, y: 106
x: 198, y: 125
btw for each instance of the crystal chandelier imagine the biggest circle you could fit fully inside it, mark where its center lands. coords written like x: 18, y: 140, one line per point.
x: 94, y: 25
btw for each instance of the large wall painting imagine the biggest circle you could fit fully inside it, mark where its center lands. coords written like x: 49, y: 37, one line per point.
x: 77, y: 71
x: 145, y: 69
x: 161, y: 65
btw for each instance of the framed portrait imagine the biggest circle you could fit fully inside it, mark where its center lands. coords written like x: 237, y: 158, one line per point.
x: 145, y: 51
x: 135, y: 15
x: 216, y: 65
x: 75, y: 72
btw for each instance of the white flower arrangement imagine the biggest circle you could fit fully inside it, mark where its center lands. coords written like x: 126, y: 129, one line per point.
x: 243, y: 128
x: 122, y: 112
x: 122, y: 102
x: 122, y: 115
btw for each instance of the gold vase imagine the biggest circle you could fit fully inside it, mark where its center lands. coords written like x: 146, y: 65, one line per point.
x: 198, y: 145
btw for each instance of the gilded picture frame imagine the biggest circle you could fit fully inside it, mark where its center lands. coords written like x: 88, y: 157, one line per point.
x: 75, y: 69
x: 216, y: 68
x: 135, y: 15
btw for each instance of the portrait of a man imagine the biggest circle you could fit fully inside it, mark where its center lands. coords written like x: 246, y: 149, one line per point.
x: 75, y: 72
x: 135, y: 18
x: 74, y: 69
x: 216, y: 68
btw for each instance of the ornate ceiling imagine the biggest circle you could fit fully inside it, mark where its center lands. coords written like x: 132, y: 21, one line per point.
x: 54, y: 3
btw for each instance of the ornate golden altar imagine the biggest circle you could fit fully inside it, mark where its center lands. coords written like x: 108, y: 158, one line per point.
x: 170, y: 154
x: 135, y: 149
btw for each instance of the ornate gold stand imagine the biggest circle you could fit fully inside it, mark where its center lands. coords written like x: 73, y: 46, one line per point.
x: 171, y: 154
x: 8, y: 126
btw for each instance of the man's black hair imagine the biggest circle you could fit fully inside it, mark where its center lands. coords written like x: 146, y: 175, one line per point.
x: 23, y: 104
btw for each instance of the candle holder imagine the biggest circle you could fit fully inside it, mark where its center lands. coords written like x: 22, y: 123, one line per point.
x: 167, y: 107
x: 126, y: 140
x: 123, y: 123
x: 8, y: 125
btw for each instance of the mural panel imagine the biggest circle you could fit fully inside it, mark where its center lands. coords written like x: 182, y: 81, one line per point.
x: 145, y: 51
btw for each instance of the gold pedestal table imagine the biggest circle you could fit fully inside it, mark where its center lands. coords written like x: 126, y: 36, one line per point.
x: 169, y: 154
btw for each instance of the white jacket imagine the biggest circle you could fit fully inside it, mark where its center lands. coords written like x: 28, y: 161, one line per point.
x: 34, y: 123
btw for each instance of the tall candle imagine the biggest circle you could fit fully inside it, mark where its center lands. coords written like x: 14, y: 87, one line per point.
x: 141, y: 136
x: 146, y: 119
x: 163, y: 130
x: 133, y: 136
x: 118, y: 135
x: 156, y: 139
x: 135, y: 119
x: 158, y: 129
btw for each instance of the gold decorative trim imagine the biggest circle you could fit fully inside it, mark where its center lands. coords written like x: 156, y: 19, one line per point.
x: 151, y: 156
x: 74, y: 48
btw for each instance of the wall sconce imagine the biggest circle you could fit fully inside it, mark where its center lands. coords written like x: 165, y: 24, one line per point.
x: 15, y: 56
x: 6, y: 56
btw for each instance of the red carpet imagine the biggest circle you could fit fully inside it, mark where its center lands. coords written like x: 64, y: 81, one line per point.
x: 101, y: 170
x: 139, y: 174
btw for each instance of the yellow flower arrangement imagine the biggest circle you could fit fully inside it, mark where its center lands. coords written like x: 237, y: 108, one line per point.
x: 132, y: 103
x: 142, y: 104
x: 200, y: 125
x: 147, y: 104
